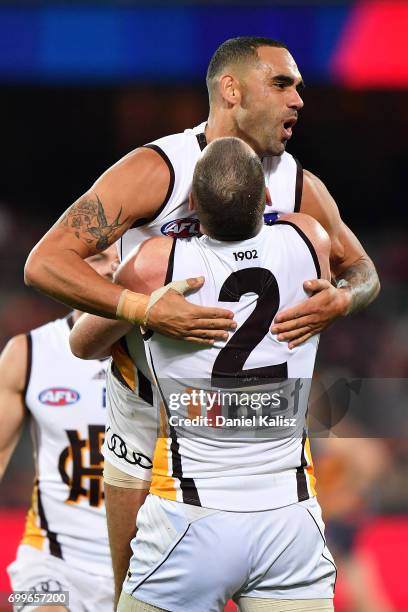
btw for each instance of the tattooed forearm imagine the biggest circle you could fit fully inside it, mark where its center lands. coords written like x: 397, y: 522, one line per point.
x: 88, y: 221
x: 361, y: 279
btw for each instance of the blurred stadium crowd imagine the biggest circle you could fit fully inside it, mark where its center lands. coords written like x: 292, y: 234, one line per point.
x: 56, y: 140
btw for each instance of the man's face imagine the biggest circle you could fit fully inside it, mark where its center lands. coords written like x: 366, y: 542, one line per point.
x: 105, y: 263
x: 270, y: 101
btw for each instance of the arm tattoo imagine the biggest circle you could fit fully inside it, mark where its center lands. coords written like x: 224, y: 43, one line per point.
x: 88, y: 220
x: 362, y: 280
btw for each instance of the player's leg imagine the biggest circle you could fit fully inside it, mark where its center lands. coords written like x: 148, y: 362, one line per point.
x: 292, y: 568
x: 127, y: 603
x: 256, y: 604
x: 186, y: 557
x: 129, y: 444
x: 47, y: 609
x: 122, y: 505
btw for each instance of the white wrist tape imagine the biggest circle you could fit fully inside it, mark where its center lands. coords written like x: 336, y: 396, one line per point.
x: 132, y: 307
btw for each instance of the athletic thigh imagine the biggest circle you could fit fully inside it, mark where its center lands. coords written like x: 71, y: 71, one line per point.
x: 187, y: 557
x: 291, y: 558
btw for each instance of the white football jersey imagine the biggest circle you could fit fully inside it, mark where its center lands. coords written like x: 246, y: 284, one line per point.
x: 234, y: 433
x: 283, y: 177
x: 65, y: 397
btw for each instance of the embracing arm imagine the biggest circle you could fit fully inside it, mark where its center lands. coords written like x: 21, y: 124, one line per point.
x: 96, y: 220
x: 352, y: 269
x: 132, y: 189
x: 13, y: 368
x: 319, y: 238
x: 355, y: 280
x: 144, y: 270
x: 92, y: 337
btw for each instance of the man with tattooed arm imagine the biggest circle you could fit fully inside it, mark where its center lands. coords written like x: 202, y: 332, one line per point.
x: 255, y: 94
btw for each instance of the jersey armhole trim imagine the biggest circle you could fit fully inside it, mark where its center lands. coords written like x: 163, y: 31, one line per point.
x: 28, y: 367
x: 299, y: 185
x: 165, y: 158
x: 202, y: 140
x: 169, y: 277
x: 70, y: 320
x: 170, y: 265
x: 307, y: 242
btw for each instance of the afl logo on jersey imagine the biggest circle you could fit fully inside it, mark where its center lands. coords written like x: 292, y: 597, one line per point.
x: 58, y: 396
x: 181, y: 228
x: 270, y: 218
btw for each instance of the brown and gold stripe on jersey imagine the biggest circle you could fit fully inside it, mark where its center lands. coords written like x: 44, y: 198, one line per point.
x: 172, y: 445
x: 301, y: 478
x: 305, y: 478
x: 309, y: 467
x: 123, y: 367
x: 128, y: 374
x: 37, y: 529
x: 163, y: 484
x: 33, y: 534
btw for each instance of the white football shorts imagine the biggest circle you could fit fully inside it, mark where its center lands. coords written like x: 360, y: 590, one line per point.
x: 131, y: 430
x: 195, y: 559
x: 39, y: 572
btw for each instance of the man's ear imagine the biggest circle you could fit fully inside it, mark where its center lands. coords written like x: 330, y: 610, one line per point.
x: 190, y: 202
x: 230, y: 89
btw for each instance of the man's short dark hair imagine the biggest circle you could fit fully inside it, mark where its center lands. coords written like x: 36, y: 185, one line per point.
x: 229, y: 190
x: 235, y: 50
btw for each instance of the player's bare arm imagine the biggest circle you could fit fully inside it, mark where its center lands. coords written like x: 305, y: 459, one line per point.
x: 95, y: 221
x: 132, y: 189
x: 13, y: 369
x: 92, y: 337
x: 355, y: 280
x: 319, y: 238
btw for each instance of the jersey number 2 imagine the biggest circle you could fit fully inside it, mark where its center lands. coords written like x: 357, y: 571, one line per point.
x: 231, y: 359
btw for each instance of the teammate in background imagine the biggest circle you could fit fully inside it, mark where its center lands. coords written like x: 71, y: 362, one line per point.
x: 65, y: 542
x: 229, y: 515
x: 254, y: 90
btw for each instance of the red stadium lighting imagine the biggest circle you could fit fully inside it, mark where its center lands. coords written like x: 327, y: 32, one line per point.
x: 373, y: 49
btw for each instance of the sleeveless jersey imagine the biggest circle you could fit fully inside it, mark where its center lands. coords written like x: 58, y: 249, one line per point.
x: 234, y: 433
x: 283, y: 177
x: 65, y: 397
